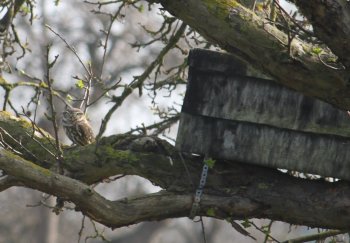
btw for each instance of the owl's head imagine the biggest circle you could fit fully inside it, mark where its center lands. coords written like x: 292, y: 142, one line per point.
x: 72, y: 115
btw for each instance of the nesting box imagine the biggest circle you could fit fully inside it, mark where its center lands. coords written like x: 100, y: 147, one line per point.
x: 229, y: 115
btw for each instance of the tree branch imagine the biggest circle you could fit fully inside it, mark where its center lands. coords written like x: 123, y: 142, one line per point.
x: 233, y: 190
x: 331, y: 24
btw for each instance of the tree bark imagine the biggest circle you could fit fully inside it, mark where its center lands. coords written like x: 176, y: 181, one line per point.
x: 331, y: 22
x: 233, y: 190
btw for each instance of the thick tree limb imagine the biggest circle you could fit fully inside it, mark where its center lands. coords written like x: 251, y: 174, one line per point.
x: 260, y: 43
x: 331, y: 22
x: 124, y: 212
x: 233, y: 190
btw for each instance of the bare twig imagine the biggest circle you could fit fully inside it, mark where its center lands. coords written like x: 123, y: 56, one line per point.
x: 2, y: 130
x: 35, y: 128
x: 267, y: 229
x: 327, y: 65
x: 70, y: 48
x: 114, y: 86
x: 138, y: 81
x: 81, y: 228
x: 108, y: 32
x: 240, y: 229
x: 42, y: 202
x: 39, y: 84
x: 13, y: 108
x: 52, y: 107
x: 203, y: 230
x: 101, y: 3
x: 159, y: 126
x: 267, y: 234
x: 6, y: 98
x: 318, y: 236
x: 97, y: 234
x: 85, y: 101
x: 276, y: 3
x: 88, y: 70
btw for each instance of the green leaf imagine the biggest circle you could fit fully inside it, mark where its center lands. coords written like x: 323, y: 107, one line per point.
x: 141, y: 8
x: 80, y: 84
x: 332, y: 59
x: 25, y: 9
x: 265, y: 229
x: 211, y: 212
x: 210, y: 162
x: 263, y: 186
x: 246, y: 223
x: 69, y: 98
x: 316, y: 50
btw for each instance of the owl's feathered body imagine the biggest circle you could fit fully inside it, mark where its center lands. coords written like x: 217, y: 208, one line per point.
x: 77, y: 126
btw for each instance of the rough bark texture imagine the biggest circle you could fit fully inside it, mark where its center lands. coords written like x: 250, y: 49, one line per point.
x: 233, y: 190
x: 331, y: 22
x: 261, y: 44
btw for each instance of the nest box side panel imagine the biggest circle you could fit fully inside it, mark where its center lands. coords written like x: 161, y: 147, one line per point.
x: 325, y: 155
x: 235, y: 97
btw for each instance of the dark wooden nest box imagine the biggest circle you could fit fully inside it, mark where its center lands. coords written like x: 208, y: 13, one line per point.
x: 229, y: 115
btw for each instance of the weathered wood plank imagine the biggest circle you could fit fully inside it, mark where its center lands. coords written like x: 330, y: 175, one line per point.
x: 225, y: 93
x: 326, y: 155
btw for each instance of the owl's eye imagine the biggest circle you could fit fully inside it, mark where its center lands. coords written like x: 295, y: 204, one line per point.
x: 80, y: 113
